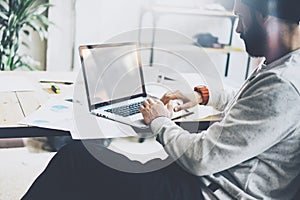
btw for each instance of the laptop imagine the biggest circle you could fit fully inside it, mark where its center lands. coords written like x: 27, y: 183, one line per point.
x: 114, y: 81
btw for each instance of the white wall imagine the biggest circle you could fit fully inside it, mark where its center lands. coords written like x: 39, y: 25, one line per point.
x: 95, y: 22
x: 190, y: 25
x: 99, y: 20
x: 61, y: 36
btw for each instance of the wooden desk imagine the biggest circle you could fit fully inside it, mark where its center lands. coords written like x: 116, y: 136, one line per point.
x: 14, y: 106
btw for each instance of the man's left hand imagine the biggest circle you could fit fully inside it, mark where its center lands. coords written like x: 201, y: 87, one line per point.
x: 152, y: 109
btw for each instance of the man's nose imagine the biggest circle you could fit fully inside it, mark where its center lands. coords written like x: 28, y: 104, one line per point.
x: 239, y: 27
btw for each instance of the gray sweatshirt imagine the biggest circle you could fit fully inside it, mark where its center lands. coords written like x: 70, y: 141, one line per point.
x: 254, y: 151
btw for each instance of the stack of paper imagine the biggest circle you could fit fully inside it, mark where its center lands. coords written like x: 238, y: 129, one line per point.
x: 59, y: 114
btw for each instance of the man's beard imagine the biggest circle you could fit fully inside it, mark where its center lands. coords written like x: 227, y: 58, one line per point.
x: 255, y: 39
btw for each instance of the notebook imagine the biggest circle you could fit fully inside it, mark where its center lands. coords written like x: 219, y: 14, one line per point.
x: 114, y: 81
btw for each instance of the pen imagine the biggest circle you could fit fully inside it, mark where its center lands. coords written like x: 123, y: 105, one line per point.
x: 55, y: 89
x: 60, y: 82
x: 184, y: 115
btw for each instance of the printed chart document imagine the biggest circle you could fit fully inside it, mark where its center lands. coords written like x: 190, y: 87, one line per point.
x: 58, y: 114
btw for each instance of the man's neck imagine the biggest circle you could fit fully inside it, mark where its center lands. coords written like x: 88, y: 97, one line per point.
x: 283, y: 42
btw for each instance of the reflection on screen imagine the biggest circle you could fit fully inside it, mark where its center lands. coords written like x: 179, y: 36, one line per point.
x: 112, y: 73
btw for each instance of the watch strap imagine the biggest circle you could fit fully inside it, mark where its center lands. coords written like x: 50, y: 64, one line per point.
x: 204, y: 92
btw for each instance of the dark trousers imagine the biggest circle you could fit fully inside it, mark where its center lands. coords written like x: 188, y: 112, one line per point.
x: 75, y: 172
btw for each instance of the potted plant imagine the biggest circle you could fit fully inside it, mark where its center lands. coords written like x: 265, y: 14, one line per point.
x: 17, y: 17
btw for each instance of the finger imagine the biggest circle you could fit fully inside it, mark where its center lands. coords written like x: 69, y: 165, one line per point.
x: 168, y: 97
x: 177, y: 108
x: 150, y: 101
x: 158, y: 101
x: 183, y: 107
x: 141, y: 107
x: 174, y: 95
x: 146, y: 104
x: 143, y: 110
x: 169, y: 107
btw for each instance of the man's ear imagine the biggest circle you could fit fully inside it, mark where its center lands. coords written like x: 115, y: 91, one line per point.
x: 261, y: 18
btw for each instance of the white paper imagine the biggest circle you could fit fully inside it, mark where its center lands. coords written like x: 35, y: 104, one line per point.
x: 134, y: 150
x: 199, y: 112
x: 58, y: 114
x: 156, y: 90
x: 88, y: 126
x: 54, y: 114
x: 13, y: 83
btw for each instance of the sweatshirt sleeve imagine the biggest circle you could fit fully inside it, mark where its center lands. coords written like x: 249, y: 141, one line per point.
x: 219, y: 98
x: 255, y: 122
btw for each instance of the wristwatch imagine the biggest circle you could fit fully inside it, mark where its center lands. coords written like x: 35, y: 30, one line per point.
x: 203, y: 91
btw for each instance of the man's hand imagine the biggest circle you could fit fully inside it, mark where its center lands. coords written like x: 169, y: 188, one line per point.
x: 151, y: 109
x: 189, y: 100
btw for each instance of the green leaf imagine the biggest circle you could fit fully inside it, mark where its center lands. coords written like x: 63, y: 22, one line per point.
x: 3, y: 16
x: 43, y: 20
x: 16, y: 47
x: 39, y: 29
x: 4, y: 5
x: 40, y: 10
x: 29, y: 25
x: 14, y: 15
x: 25, y: 45
x: 12, y: 21
x: 26, y: 32
x: 29, y: 67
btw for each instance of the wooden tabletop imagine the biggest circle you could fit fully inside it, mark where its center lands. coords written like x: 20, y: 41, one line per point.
x: 15, y: 105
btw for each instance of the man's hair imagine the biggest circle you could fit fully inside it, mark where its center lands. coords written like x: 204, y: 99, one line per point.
x: 284, y: 9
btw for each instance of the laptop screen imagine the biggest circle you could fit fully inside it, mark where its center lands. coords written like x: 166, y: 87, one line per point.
x: 112, y: 73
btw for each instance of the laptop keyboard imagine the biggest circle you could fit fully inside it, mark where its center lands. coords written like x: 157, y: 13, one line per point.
x: 126, y: 110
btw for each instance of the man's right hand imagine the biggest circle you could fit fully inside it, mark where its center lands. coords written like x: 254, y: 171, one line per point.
x: 189, y: 100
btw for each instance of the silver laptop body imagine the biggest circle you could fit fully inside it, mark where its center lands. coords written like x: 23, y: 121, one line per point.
x: 114, y: 81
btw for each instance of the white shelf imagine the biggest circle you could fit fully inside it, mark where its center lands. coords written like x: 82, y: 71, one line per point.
x: 193, y: 47
x: 158, y: 11
x: 191, y: 11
